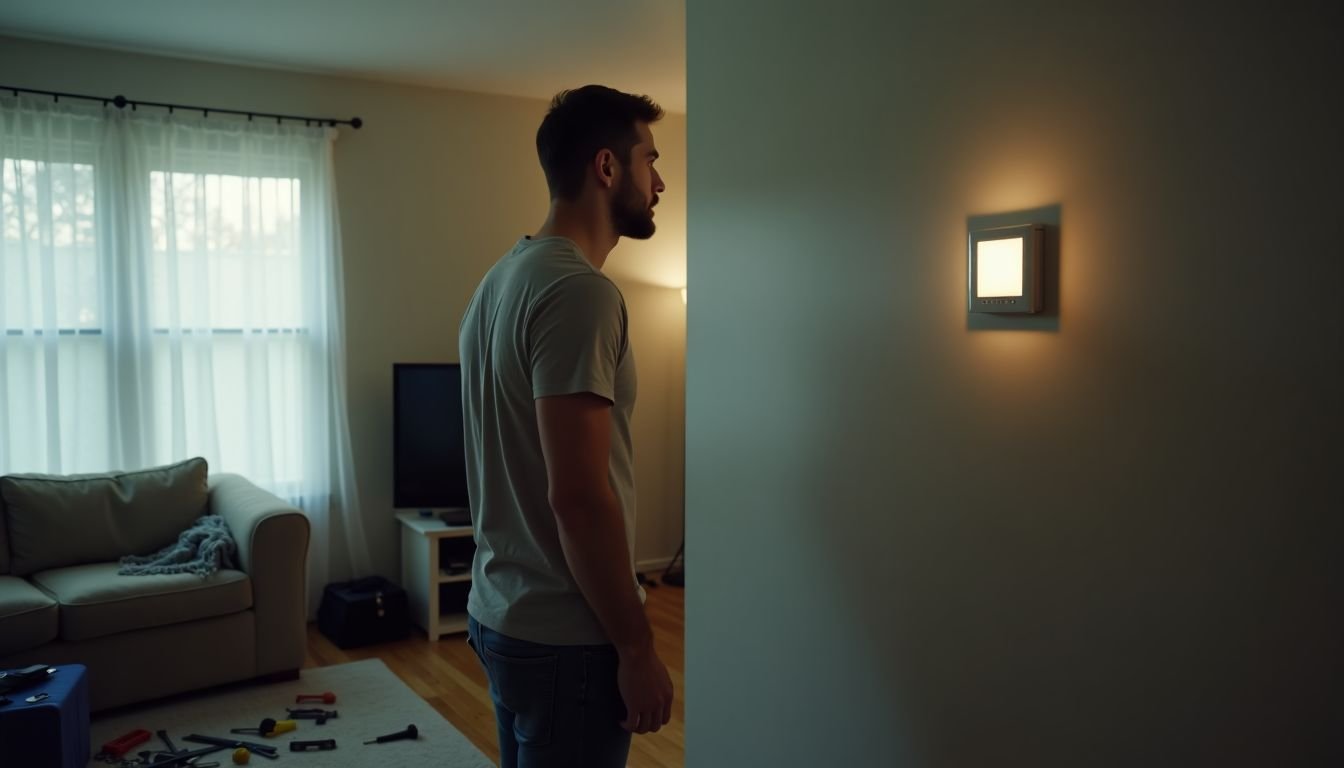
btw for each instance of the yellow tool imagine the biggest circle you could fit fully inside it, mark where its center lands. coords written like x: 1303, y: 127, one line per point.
x: 241, y: 756
x: 282, y: 726
x: 269, y: 727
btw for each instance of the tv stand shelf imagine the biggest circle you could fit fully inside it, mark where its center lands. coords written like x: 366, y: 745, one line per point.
x: 427, y: 544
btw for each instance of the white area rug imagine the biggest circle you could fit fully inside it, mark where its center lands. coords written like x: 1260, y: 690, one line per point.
x: 371, y: 701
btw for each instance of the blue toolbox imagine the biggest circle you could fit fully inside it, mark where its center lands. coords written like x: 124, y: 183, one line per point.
x: 45, y: 723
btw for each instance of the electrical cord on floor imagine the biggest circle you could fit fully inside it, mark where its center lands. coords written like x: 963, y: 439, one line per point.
x: 677, y: 579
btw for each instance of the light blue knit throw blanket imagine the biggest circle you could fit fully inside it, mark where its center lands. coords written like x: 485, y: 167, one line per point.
x: 202, y: 549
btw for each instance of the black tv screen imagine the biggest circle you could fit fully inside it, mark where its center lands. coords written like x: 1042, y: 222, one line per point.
x: 429, y: 469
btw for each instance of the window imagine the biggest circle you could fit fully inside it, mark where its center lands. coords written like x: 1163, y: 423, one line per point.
x: 50, y: 314
x: 167, y: 292
x: 169, y: 288
x: 225, y: 308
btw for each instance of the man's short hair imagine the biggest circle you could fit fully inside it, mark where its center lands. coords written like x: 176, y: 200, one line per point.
x: 583, y: 121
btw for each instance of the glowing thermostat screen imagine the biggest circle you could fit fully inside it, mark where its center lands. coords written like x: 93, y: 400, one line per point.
x: 998, y: 270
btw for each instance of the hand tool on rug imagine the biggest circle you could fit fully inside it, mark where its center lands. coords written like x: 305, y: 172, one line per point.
x: 409, y: 733
x: 161, y: 757
x: 308, y: 746
x: 326, y: 697
x: 114, y: 749
x: 167, y: 742
x: 265, y: 750
x: 181, y: 758
x: 320, y: 715
x: 269, y: 727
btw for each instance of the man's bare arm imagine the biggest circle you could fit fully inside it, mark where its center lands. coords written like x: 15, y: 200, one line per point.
x: 576, y: 442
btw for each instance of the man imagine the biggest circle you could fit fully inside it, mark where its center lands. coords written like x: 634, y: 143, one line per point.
x: 548, y: 385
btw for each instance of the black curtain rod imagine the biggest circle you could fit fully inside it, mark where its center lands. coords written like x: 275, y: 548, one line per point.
x: 121, y: 102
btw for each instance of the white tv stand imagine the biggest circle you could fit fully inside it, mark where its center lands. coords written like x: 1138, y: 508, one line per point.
x: 423, y: 572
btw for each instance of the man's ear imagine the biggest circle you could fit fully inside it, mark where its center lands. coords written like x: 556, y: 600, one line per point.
x: 604, y: 163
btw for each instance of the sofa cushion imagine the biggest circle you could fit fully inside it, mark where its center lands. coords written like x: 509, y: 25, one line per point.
x: 95, y: 601
x: 28, y: 617
x: 56, y: 521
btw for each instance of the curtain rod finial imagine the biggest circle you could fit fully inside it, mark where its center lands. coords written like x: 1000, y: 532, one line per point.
x: 120, y: 101
x: 356, y: 122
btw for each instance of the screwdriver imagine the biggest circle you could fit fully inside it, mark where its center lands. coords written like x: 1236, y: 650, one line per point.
x: 409, y: 733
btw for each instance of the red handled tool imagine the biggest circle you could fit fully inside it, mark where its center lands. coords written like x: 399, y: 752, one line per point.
x: 326, y: 697
x: 124, y: 743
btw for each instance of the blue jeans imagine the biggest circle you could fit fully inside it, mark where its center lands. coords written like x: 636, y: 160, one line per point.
x: 556, y: 706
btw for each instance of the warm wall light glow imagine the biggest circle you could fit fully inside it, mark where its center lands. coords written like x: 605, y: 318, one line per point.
x: 683, y: 295
x: 998, y: 270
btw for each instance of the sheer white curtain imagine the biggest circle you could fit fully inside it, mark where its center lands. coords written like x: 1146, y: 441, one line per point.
x: 171, y: 287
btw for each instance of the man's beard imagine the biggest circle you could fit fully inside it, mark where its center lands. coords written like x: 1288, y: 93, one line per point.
x: 629, y: 214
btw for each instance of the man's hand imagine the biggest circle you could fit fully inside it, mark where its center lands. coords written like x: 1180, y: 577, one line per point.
x: 646, y: 689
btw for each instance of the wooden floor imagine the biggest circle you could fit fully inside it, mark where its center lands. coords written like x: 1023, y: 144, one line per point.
x: 449, y: 676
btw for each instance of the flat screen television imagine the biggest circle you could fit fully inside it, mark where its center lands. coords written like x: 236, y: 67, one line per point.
x: 429, y: 468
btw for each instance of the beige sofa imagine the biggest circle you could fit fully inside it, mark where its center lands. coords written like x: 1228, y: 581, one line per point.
x: 144, y: 637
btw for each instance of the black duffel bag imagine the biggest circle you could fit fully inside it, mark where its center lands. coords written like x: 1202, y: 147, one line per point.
x: 363, y: 611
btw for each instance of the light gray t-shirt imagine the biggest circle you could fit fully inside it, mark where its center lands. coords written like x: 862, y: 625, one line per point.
x: 543, y: 322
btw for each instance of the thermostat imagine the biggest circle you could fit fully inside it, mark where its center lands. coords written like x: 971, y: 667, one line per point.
x: 1005, y: 269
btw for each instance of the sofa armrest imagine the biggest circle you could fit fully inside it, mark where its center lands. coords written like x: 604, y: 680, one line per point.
x: 272, y: 539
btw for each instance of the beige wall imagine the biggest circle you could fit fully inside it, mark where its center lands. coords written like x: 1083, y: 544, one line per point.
x: 432, y: 190
x: 1112, y: 544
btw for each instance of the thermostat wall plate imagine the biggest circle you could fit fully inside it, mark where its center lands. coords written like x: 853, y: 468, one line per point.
x: 1005, y: 264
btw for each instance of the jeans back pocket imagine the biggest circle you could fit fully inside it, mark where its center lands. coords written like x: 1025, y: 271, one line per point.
x: 525, y: 685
